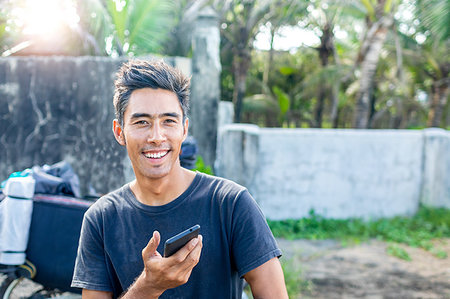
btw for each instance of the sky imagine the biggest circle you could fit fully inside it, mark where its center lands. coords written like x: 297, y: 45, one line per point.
x: 288, y: 38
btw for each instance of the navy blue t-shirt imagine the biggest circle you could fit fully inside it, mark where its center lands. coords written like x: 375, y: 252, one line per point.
x: 236, y: 238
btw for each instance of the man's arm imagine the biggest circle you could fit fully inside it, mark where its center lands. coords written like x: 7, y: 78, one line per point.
x: 267, y: 280
x: 91, y: 294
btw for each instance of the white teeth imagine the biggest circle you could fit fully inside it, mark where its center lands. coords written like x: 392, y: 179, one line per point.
x: 156, y: 155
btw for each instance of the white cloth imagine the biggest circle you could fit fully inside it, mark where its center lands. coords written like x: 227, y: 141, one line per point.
x: 15, y: 219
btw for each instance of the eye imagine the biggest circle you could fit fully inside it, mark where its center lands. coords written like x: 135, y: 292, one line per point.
x: 170, y: 121
x: 141, y: 122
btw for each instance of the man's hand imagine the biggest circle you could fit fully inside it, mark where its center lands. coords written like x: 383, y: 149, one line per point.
x: 161, y: 273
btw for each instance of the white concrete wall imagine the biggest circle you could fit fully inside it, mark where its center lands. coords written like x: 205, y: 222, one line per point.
x: 337, y: 173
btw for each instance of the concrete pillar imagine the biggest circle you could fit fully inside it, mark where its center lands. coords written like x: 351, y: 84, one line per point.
x: 237, y: 154
x: 225, y: 117
x: 226, y: 114
x: 436, y: 168
x: 205, y: 88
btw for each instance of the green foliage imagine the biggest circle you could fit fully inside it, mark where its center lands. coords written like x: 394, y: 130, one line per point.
x: 440, y: 254
x: 416, y: 231
x: 283, y: 100
x: 289, y: 102
x: 435, y: 16
x: 201, y: 167
x: 395, y: 250
x: 136, y: 27
x: 413, y: 60
x: 287, y: 70
x: 260, y: 103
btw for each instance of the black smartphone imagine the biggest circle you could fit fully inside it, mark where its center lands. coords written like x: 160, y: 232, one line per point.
x: 175, y: 243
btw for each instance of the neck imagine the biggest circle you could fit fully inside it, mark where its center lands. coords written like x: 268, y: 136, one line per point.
x: 161, y: 191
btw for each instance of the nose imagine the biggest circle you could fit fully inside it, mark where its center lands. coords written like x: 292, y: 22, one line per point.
x: 156, y: 134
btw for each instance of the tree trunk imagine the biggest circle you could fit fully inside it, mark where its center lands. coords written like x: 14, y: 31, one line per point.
x: 375, y: 40
x: 399, y: 122
x: 447, y: 118
x: 372, y: 109
x: 334, y: 104
x: 241, y: 64
x: 439, y: 97
x: 268, y: 68
x: 318, y: 111
x: 334, y: 115
x: 325, y: 51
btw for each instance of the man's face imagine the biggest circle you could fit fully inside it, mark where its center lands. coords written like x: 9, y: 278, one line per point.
x: 152, y: 132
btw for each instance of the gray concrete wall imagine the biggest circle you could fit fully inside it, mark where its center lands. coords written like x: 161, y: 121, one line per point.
x: 337, y: 173
x: 60, y: 108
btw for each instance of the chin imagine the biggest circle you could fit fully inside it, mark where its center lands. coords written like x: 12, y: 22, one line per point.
x: 160, y: 173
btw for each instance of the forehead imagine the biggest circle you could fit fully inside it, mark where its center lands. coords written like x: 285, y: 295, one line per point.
x: 153, y: 101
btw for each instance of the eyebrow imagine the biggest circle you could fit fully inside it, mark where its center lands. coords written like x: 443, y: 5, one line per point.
x: 153, y: 116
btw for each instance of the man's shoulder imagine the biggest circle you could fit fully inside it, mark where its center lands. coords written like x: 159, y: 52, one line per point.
x: 221, y: 186
x: 108, y: 202
x: 220, y: 181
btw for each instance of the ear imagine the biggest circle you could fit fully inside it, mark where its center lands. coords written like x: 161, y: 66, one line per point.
x: 185, y: 128
x: 118, y: 132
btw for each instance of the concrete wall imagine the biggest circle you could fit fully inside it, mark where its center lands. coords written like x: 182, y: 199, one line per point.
x: 60, y: 108
x: 337, y: 173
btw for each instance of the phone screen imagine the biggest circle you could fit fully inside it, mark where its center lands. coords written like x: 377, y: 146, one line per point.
x: 175, y: 243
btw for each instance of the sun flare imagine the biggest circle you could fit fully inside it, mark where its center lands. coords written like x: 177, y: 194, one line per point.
x: 45, y: 18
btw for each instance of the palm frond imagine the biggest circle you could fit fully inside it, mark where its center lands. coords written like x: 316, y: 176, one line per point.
x: 435, y: 17
x: 149, y: 23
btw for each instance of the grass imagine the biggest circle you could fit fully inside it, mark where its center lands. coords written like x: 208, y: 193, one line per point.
x: 295, y: 285
x: 395, y: 250
x: 416, y: 231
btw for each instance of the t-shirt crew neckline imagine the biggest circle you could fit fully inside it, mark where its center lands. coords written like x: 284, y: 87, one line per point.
x: 131, y: 198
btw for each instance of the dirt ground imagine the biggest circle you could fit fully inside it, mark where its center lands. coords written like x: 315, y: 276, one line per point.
x: 330, y: 270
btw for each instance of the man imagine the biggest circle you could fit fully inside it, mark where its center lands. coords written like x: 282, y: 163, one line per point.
x: 124, y: 231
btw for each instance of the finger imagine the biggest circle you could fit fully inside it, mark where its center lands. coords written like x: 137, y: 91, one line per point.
x: 152, y: 245
x: 193, y: 257
x: 181, y: 254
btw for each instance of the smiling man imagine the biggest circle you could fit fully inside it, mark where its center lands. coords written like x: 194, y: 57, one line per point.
x: 124, y: 231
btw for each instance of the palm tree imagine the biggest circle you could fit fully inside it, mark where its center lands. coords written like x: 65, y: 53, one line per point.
x: 434, y: 17
x: 324, y: 20
x: 241, y: 21
x: 324, y: 16
x: 380, y: 17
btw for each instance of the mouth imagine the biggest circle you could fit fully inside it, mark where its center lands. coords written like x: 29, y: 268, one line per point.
x: 156, y: 154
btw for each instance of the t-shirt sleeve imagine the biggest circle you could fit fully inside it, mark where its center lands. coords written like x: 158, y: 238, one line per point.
x: 253, y: 243
x: 90, y: 270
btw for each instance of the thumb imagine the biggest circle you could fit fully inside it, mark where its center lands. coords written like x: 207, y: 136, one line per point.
x: 150, y: 249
